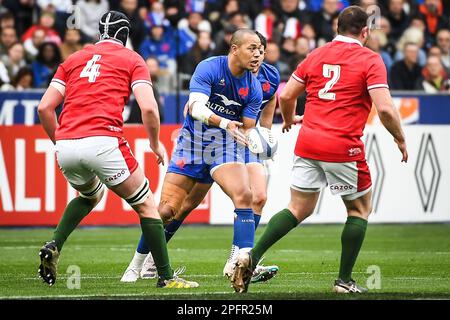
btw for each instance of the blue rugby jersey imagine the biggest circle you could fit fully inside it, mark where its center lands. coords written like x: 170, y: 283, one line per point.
x: 229, y: 97
x: 269, y: 78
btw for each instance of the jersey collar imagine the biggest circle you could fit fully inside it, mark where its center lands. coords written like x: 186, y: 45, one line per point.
x: 110, y: 41
x: 342, y: 38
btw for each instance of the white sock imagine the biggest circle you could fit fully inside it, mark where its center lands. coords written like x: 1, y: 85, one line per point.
x: 138, y: 260
x: 244, y: 250
x: 234, y: 253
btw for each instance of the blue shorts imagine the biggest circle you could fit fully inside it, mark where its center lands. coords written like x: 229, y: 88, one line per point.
x: 200, y: 161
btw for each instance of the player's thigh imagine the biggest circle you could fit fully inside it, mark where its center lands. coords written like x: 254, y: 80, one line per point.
x: 80, y: 177
x: 258, y: 182
x: 193, y: 199
x: 232, y: 177
x: 307, y: 175
x: 351, y: 181
x: 303, y: 203
x: 174, y: 191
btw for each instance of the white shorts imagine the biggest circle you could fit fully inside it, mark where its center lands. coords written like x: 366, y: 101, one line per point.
x: 109, y: 158
x: 350, y: 180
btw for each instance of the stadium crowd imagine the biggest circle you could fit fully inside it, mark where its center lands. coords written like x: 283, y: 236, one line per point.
x: 413, y: 36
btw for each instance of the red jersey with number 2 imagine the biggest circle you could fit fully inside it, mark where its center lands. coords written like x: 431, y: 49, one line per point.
x: 98, y: 82
x: 338, y: 77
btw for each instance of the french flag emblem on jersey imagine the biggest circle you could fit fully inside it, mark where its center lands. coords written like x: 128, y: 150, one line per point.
x: 243, y: 92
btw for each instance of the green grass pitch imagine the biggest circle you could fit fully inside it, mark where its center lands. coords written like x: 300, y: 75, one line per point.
x: 414, y: 262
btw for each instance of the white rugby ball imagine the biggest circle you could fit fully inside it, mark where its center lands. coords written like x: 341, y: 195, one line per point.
x: 261, y: 141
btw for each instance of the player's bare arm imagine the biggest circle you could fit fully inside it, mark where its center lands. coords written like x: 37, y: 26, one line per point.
x: 288, y: 102
x: 150, y: 117
x: 46, y: 110
x: 389, y: 118
x: 266, y: 118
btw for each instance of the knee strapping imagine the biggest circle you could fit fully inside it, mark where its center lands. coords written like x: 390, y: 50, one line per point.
x: 94, y: 192
x: 140, y: 195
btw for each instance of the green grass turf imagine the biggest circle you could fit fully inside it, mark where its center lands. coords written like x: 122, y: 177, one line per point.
x: 414, y: 261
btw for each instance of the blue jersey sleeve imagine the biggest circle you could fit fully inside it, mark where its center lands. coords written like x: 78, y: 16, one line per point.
x: 202, y: 79
x: 276, y: 82
x: 253, y: 106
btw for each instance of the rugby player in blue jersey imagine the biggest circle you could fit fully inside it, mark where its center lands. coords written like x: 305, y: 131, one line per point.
x: 224, y: 102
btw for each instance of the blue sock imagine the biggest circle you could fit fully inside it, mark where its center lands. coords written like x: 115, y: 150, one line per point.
x: 257, y: 218
x: 142, y: 247
x: 244, y: 228
x: 171, y: 228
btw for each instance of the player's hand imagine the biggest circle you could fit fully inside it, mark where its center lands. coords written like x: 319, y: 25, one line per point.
x: 159, y: 153
x: 288, y: 124
x: 233, y: 129
x: 403, y: 150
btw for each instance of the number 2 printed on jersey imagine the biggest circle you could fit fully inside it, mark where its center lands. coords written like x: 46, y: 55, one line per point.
x: 328, y: 70
x: 91, y: 70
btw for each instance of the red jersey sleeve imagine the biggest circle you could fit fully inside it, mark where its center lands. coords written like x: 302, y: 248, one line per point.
x: 376, y: 76
x: 60, y: 75
x: 140, y: 73
x: 300, y: 74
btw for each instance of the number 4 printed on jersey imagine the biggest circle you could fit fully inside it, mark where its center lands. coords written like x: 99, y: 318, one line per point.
x: 91, y: 70
x: 327, y: 70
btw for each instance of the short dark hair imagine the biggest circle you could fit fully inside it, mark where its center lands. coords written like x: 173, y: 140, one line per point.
x: 237, y: 36
x: 352, y: 20
x: 263, y: 39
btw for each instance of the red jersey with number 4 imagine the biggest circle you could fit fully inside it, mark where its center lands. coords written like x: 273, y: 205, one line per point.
x: 98, y: 82
x: 338, y: 77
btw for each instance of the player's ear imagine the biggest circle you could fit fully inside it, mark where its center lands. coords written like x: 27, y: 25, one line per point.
x: 234, y: 48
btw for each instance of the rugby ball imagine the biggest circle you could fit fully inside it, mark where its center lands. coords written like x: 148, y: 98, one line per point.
x: 262, y: 142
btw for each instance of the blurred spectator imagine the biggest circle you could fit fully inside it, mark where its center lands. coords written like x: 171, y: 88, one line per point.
x: 265, y: 24
x: 287, y: 50
x: 411, y: 35
x: 45, y: 64
x: 7, y: 20
x: 31, y: 45
x: 161, y: 45
x: 90, y: 13
x: 377, y: 42
x: 60, y: 8
x: 398, y: 18
x: 156, y: 16
x: 188, y: 29
x: 71, y: 43
x: 23, y: 11
x: 15, y: 59
x: 443, y: 42
x: 46, y: 22
x: 301, y: 51
x: 323, y: 21
x: 309, y: 33
x: 434, y: 78
x: 22, y: 81
x: 236, y: 21
x: 137, y: 32
x: 273, y: 55
x: 200, y: 51
x: 431, y: 11
x: 135, y: 112
x: 7, y: 37
x: 404, y: 74
x: 434, y: 51
x: 4, y: 78
x: 223, y: 46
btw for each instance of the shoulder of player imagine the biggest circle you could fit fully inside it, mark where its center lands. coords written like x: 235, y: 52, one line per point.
x: 271, y: 71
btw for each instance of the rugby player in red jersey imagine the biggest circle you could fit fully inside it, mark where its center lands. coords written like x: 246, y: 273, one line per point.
x: 341, y: 79
x: 95, y: 84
